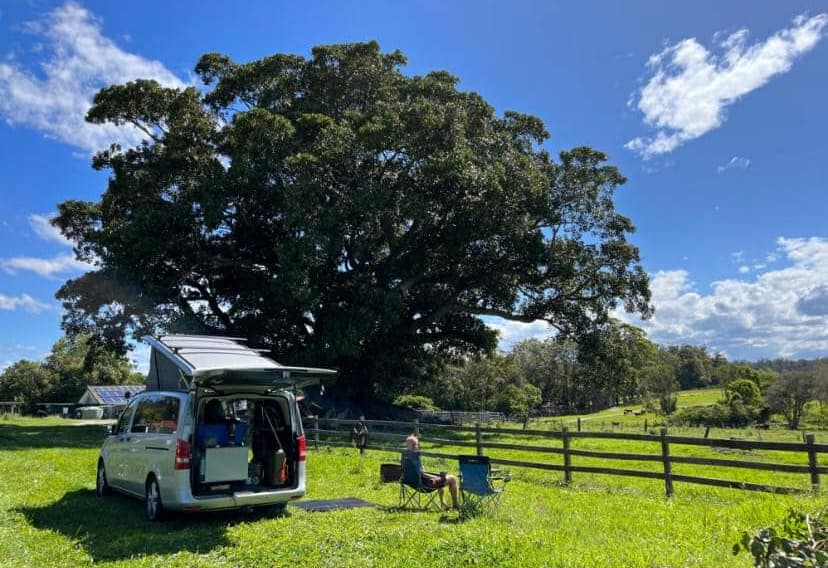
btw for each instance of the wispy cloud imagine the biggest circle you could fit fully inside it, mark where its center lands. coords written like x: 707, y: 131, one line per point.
x: 735, y: 162
x: 46, y: 267
x: 689, y: 87
x: 43, y: 228
x: 76, y: 61
x: 23, y: 302
x: 781, y: 312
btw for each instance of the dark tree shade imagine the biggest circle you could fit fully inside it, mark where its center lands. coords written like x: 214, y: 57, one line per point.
x: 342, y: 213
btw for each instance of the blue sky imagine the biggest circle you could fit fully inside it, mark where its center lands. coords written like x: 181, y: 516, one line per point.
x: 714, y: 111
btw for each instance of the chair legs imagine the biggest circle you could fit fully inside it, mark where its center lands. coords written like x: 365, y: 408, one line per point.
x: 474, y: 504
x: 411, y: 498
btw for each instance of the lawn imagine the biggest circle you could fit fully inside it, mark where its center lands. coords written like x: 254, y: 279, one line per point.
x: 49, y: 515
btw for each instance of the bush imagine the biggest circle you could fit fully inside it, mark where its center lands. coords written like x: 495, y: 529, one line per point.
x: 802, y: 540
x: 415, y: 402
x: 744, y: 391
x: 721, y: 415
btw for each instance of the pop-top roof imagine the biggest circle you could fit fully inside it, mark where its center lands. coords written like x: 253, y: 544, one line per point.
x: 203, y: 356
x: 197, y: 354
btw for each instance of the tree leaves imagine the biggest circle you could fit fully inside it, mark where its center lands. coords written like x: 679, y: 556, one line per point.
x: 343, y: 213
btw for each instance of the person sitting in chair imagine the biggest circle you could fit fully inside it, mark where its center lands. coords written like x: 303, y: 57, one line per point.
x: 433, y: 480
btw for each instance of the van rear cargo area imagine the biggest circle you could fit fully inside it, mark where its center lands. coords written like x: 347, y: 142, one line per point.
x: 243, y: 442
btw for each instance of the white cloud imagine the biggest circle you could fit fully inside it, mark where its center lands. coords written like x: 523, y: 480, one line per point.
x: 735, y: 162
x: 77, y: 61
x: 744, y: 269
x: 512, y: 332
x: 782, y: 312
x: 46, y: 267
x: 43, y: 228
x: 690, y: 88
x: 24, y: 302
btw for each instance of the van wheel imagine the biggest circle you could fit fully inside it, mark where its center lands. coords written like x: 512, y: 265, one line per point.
x: 277, y: 510
x: 101, y: 484
x: 152, y: 503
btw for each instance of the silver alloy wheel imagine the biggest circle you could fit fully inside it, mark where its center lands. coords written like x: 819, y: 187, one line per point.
x: 153, y: 500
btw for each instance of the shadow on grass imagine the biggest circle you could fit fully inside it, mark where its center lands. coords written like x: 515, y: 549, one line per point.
x: 20, y: 437
x: 114, y: 528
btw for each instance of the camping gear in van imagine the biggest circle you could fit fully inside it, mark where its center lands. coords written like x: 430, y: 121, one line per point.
x: 276, y: 464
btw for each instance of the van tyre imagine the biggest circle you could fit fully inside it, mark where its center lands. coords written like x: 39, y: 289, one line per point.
x: 277, y: 510
x: 101, y: 484
x: 152, y: 501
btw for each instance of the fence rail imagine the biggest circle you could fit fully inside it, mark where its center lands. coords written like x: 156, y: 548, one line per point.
x: 363, y: 434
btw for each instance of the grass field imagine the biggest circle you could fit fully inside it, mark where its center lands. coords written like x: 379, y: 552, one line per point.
x: 49, y: 515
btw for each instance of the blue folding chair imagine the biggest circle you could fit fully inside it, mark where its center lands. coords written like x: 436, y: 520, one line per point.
x: 478, y: 491
x: 414, y: 494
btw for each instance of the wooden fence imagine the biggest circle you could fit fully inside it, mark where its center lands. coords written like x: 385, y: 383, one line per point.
x: 364, y: 434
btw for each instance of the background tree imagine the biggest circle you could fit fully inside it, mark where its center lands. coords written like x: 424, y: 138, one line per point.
x: 660, y: 382
x: 477, y: 384
x: 517, y: 401
x: 789, y: 394
x: 744, y: 391
x: 27, y: 382
x: 73, y: 364
x: 342, y: 213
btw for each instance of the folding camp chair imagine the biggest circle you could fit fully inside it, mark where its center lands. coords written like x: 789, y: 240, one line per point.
x: 414, y: 494
x: 477, y: 490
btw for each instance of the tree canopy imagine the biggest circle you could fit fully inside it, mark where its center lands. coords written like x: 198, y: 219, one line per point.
x: 342, y: 213
x: 73, y: 364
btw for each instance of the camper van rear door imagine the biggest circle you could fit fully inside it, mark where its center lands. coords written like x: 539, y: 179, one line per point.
x: 283, y: 378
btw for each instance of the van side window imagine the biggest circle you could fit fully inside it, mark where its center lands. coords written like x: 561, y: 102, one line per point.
x: 123, y: 421
x: 156, y: 415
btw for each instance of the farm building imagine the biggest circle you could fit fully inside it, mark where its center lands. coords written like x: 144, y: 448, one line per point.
x: 112, y: 398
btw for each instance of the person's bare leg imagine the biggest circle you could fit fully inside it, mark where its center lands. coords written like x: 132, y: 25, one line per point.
x: 440, y: 492
x: 452, y: 483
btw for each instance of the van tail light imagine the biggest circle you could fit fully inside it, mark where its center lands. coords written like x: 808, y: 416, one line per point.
x: 182, y: 454
x: 302, y: 447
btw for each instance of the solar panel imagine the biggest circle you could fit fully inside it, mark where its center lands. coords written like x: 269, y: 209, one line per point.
x: 115, y: 394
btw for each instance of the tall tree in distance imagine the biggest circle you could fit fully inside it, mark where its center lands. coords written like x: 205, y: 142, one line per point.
x: 342, y: 213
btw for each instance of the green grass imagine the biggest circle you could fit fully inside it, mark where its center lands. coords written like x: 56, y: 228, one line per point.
x: 49, y: 515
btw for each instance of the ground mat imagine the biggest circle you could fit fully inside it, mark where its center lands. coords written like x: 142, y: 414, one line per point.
x: 332, y: 504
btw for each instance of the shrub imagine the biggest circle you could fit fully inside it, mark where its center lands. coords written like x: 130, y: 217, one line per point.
x: 415, y: 401
x: 801, y: 540
x: 734, y: 415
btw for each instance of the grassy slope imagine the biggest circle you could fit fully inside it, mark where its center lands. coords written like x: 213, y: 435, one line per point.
x: 49, y: 515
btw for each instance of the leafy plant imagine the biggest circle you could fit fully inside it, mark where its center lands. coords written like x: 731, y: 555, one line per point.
x: 415, y: 401
x: 801, y: 541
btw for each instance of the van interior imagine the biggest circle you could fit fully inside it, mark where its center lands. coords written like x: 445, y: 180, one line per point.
x: 243, y: 443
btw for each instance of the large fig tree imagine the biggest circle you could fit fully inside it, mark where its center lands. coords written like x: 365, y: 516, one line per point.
x: 342, y: 213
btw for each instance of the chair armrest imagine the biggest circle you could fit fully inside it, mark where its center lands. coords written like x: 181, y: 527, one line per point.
x: 503, y: 476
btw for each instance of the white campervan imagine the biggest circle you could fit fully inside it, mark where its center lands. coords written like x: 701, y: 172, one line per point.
x: 217, y: 428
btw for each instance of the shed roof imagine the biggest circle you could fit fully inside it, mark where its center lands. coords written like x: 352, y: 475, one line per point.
x: 111, y: 394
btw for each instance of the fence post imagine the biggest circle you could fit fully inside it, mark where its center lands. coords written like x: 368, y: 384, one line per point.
x: 646, y: 426
x: 812, y: 462
x: 579, y: 425
x: 478, y: 438
x: 417, y: 427
x: 668, y: 468
x: 316, y: 432
x: 567, y: 458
